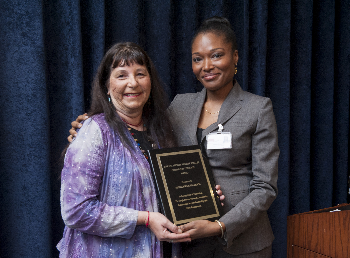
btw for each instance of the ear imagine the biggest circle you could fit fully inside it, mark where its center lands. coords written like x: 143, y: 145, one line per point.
x: 108, y: 92
x: 235, y: 56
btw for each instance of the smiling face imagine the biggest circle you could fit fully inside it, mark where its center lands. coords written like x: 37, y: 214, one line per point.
x: 129, y: 88
x: 213, y: 61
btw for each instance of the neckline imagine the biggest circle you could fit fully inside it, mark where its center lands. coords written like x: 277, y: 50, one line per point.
x: 141, y: 141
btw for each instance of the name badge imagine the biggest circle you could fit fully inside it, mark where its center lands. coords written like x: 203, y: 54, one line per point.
x: 219, y: 140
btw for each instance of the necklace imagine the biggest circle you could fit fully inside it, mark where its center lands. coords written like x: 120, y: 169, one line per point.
x: 217, y: 112
x: 132, y: 124
x: 144, y: 142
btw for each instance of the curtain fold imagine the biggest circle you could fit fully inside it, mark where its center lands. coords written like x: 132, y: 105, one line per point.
x: 300, y: 106
x: 238, y: 14
x: 341, y: 100
x: 93, y: 41
x: 277, y: 86
x: 258, y: 19
x: 182, y: 28
x: 322, y: 97
x: 25, y: 198
x: 159, y: 38
x: 295, y: 52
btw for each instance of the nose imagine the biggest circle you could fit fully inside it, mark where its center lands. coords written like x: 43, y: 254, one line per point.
x: 132, y: 83
x: 207, y: 65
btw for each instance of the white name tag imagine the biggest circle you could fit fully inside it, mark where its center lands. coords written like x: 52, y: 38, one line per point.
x: 219, y: 140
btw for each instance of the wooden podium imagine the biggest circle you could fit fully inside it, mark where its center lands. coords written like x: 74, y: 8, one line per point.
x: 319, y: 234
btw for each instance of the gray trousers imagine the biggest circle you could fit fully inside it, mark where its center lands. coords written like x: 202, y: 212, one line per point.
x: 211, y: 247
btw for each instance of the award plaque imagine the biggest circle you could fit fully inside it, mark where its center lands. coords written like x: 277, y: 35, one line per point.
x: 185, y: 184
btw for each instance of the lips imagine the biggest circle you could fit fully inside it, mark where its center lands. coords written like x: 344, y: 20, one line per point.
x: 210, y: 76
x: 132, y: 95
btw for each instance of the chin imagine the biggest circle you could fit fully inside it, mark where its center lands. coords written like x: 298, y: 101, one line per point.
x: 212, y: 87
x: 136, y: 107
x: 216, y: 86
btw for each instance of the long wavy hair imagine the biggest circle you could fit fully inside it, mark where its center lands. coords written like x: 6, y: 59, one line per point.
x: 154, y: 114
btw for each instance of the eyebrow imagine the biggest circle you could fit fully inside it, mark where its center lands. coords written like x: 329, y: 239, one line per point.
x: 212, y: 50
x: 137, y: 70
x: 142, y: 70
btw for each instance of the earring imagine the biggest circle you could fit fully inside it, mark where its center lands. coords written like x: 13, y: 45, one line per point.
x: 235, y: 68
x: 109, y: 99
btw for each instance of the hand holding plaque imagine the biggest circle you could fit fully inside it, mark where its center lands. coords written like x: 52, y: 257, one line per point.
x: 185, y: 184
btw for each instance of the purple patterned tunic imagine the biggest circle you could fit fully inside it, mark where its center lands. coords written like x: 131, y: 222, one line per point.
x: 103, y: 187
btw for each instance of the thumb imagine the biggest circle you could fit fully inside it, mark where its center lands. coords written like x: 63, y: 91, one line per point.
x: 184, y: 228
x: 172, y: 227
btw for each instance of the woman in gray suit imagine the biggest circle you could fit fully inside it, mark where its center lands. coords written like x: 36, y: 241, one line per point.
x: 244, y: 157
x: 238, y: 134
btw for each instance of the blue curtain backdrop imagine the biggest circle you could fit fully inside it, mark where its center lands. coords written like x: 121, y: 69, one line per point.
x: 295, y: 52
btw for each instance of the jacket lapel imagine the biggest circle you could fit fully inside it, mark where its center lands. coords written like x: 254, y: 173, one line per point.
x: 229, y: 108
x: 193, y: 113
x: 231, y: 105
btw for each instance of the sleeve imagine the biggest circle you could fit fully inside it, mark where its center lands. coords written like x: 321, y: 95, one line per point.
x: 170, y: 110
x: 263, y: 186
x: 81, y: 181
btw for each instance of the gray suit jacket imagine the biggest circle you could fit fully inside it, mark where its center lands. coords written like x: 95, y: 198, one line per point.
x: 247, y: 173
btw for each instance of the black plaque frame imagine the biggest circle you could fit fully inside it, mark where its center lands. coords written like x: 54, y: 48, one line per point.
x: 185, y: 184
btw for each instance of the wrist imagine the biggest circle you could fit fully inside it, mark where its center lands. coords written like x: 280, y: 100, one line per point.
x: 142, y: 218
x: 147, y: 220
x: 221, y: 228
